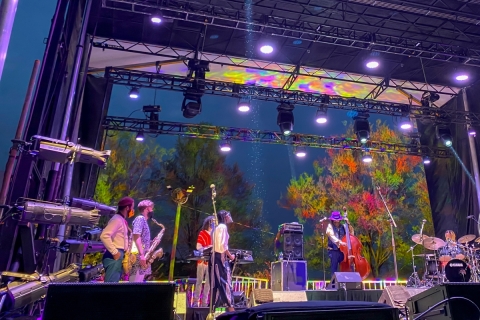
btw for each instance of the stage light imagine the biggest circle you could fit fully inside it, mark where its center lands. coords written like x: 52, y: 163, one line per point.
x: 472, y: 132
x: 243, y: 106
x: 428, y: 98
x: 461, y: 77
x: 134, y: 93
x: 266, y: 48
x: 193, y: 107
x: 426, y: 160
x: 367, y: 158
x: 300, y: 151
x: 362, y: 129
x: 225, y: 147
x: 156, y: 17
x: 140, y: 136
x: 405, y: 124
x: 285, y: 118
x: 321, y: 116
x: 372, y: 64
x: 444, y: 134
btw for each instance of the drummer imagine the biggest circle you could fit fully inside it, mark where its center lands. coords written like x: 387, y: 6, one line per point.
x: 450, y: 237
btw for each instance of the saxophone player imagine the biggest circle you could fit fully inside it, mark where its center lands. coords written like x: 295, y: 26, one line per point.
x: 141, y: 241
x: 204, y: 241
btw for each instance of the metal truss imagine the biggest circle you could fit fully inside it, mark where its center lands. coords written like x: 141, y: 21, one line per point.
x: 181, y: 83
x: 228, y: 17
x: 294, y: 71
x: 262, y: 136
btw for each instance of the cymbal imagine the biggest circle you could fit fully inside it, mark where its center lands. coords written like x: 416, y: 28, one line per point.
x: 433, y: 243
x: 417, y: 238
x: 466, y: 238
x: 477, y: 240
x: 424, y: 255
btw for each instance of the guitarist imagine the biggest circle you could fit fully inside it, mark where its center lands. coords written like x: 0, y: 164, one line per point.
x: 335, y: 232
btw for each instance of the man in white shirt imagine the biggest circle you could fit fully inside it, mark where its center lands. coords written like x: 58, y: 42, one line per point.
x: 335, y: 232
x: 115, y: 240
x: 222, y: 277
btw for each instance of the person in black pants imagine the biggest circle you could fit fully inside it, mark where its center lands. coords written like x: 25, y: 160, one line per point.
x: 335, y: 232
x: 222, y: 277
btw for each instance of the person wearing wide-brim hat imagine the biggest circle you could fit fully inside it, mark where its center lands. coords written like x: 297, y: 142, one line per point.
x: 335, y: 232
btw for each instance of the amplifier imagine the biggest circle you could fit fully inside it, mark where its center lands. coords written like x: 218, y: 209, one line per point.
x: 290, y: 227
x: 289, y: 275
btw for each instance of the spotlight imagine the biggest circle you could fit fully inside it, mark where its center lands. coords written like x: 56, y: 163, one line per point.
x: 140, y: 136
x: 300, y: 151
x: 243, y: 106
x: 134, y: 93
x: 428, y: 98
x: 471, y: 132
x: 443, y: 133
x: 405, y: 124
x: 372, y: 64
x: 156, y: 17
x: 225, y: 147
x: 367, y: 158
x: 362, y: 129
x: 321, y: 116
x: 461, y: 77
x: 426, y: 160
x: 285, y: 118
x: 266, y: 48
x: 194, y: 107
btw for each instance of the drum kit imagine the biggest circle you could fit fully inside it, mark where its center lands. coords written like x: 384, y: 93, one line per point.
x: 446, y: 260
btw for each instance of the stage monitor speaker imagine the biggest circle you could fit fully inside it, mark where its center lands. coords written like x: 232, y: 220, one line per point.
x: 397, y: 296
x: 259, y: 296
x: 455, y: 309
x: 289, y: 275
x: 293, y: 246
x: 347, y: 281
x: 109, y: 301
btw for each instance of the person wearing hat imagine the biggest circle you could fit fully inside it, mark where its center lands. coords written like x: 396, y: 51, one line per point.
x: 222, y: 278
x: 115, y: 239
x: 204, y: 241
x: 335, y: 232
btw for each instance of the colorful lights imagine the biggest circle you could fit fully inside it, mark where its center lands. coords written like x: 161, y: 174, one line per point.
x: 140, y: 137
x: 426, y: 160
x: 244, y: 105
x: 367, y: 158
x: 225, y: 147
x: 405, y: 124
x: 321, y: 116
x: 372, y: 64
x: 461, y: 77
x: 301, y: 152
x: 156, y: 17
x: 134, y: 93
x: 471, y: 131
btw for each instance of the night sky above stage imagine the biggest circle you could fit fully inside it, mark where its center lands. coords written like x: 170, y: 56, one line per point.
x: 270, y: 167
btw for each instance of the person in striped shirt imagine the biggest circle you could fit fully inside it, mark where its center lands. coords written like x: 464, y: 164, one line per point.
x: 204, y: 241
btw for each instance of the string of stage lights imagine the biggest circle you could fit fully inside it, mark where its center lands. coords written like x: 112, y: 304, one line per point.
x: 298, y: 141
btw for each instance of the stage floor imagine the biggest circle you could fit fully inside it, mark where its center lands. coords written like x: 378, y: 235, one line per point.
x: 312, y: 295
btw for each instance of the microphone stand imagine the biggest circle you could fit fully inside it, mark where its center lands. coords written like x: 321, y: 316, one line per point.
x: 323, y: 259
x: 211, y: 314
x: 392, y: 225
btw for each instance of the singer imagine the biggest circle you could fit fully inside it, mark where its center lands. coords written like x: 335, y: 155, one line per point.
x: 335, y: 232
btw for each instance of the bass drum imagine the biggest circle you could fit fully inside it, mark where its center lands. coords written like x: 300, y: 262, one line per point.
x: 457, y: 271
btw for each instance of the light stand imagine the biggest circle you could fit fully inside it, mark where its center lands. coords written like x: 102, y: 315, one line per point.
x: 211, y: 314
x: 392, y: 225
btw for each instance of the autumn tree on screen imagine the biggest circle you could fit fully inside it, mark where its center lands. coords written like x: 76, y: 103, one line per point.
x: 342, y: 179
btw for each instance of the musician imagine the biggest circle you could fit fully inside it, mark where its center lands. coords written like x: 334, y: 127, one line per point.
x: 204, y: 241
x: 222, y: 278
x: 141, y: 241
x: 335, y: 232
x: 450, y: 237
x: 115, y: 239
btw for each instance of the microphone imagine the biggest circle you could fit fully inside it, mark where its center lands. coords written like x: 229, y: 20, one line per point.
x: 214, y: 192
x: 424, y: 220
x: 323, y: 219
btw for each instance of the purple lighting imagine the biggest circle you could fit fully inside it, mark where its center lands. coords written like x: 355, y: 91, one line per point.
x: 225, y: 147
x: 461, y: 77
x: 267, y: 49
x: 372, y: 64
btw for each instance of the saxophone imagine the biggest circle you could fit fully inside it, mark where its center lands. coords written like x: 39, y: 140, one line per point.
x: 151, y: 253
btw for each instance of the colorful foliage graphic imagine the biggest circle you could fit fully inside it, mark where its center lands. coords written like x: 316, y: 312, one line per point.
x: 342, y: 179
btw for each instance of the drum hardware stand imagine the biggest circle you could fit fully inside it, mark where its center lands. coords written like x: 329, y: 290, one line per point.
x: 392, y: 225
x: 414, y: 279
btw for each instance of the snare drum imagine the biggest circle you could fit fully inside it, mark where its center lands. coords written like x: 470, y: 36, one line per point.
x: 457, y: 271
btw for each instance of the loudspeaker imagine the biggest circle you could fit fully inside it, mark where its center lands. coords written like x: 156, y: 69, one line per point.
x: 289, y: 296
x: 259, y: 296
x: 293, y: 246
x: 347, y: 281
x: 454, y: 309
x: 397, y: 296
x: 289, y: 275
x: 109, y: 301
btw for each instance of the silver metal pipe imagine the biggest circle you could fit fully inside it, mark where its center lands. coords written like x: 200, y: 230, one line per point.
x: 473, y: 155
x: 8, y: 9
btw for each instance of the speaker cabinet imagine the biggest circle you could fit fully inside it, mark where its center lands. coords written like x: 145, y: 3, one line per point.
x: 293, y: 246
x: 455, y: 309
x: 289, y: 275
x: 259, y: 296
x: 347, y: 281
x: 109, y: 301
